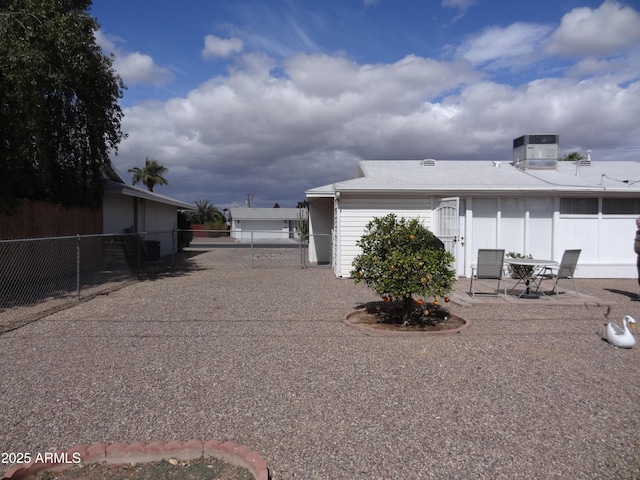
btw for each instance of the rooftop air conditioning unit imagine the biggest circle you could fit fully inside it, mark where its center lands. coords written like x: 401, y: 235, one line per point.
x: 536, y: 152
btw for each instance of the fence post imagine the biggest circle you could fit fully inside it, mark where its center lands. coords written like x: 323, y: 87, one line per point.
x: 252, y: 249
x: 78, y: 267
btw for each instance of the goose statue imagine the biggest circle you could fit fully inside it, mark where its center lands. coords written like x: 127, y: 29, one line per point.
x: 621, y: 337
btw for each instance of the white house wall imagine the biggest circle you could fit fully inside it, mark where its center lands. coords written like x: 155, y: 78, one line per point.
x: 606, y: 243
x: 533, y: 226
x: 356, y: 213
x: 117, y: 213
x: 526, y: 225
x: 160, y: 221
x: 539, y: 236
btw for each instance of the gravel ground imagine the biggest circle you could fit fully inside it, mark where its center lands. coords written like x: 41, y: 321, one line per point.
x: 260, y: 357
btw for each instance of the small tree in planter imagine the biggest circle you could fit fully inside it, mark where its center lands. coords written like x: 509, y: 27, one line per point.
x: 401, y: 258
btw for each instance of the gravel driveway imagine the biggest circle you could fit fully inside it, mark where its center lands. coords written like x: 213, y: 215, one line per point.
x: 260, y: 357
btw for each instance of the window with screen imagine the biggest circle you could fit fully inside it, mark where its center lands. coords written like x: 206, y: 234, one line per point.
x: 579, y: 206
x: 621, y: 206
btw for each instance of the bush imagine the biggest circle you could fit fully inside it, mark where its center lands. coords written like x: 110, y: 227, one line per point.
x: 185, y: 235
x: 402, y: 258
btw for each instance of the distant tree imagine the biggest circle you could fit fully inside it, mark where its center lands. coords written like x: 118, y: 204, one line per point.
x: 276, y: 205
x: 60, y: 115
x: 185, y: 235
x: 572, y: 157
x: 302, y: 225
x: 303, y: 204
x: 206, y: 212
x: 150, y: 175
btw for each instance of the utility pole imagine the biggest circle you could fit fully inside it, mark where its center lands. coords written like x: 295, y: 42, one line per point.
x: 249, y: 197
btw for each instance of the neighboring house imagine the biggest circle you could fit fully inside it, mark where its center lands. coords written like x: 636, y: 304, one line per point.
x: 534, y: 205
x: 127, y: 209
x: 265, y: 223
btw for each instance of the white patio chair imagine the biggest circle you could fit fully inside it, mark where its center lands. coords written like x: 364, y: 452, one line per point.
x: 564, y: 271
x: 490, y: 266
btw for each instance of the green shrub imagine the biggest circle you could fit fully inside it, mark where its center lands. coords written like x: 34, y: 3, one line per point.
x: 401, y: 258
x: 185, y: 234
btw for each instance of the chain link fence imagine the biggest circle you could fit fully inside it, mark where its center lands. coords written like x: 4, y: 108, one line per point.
x: 39, y: 276
x: 265, y: 248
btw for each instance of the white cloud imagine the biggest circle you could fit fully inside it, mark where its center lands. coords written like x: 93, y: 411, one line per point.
x: 459, y: 4
x: 618, y: 69
x: 610, y: 29
x: 133, y: 67
x: 137, y: 68
x: 106, y: 42
x: 281, y: 131
x: 503, y: 46
x: 216, y: 47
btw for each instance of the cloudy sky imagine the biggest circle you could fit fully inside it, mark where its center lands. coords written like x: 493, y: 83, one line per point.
x: 273, y: 98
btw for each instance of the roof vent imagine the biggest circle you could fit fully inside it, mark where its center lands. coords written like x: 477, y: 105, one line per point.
x: 584, y: 162
x: 428, y: 162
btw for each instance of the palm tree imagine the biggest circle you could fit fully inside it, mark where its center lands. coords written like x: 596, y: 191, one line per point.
x: 206, y: 212
x: 150, y: 175
x: 572, y: 157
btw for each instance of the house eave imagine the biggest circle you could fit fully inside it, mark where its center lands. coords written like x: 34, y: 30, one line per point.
x: 488, y: 190
x: 118, y: 188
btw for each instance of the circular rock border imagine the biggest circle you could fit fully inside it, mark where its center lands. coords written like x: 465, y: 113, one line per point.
x: 391, y: 333
x: 138, y: 452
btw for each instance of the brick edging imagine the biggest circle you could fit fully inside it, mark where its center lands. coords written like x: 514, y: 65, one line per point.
x: 139, y: 452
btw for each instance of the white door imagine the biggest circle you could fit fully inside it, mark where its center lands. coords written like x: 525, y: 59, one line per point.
x: 448, y: 227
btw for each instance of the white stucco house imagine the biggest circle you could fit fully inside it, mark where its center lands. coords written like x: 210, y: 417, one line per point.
x: 534, y: 205
x: 128, y: 209
x: 265, y: 223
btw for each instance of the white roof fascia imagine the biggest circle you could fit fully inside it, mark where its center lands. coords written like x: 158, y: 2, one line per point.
x: 321, y: 192
x: 113, y: 187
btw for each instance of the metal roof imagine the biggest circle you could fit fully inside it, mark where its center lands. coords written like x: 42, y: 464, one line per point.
x: 114, y: 183
x: 114, y: 187
x: 483, y: 176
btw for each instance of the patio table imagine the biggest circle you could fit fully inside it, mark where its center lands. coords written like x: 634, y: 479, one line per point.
x: 527, y: 269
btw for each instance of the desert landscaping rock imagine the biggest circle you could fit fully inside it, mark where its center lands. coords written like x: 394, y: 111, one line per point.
x: 261, y: 357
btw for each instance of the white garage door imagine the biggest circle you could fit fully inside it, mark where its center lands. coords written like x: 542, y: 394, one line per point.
x: 264, y: 229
